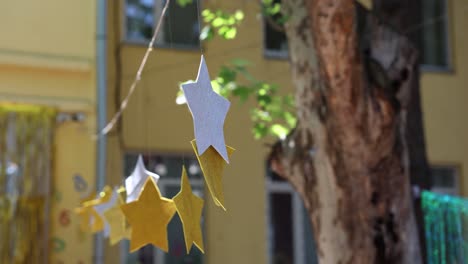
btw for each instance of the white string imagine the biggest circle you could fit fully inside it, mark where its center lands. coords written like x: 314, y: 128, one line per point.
x: 199, y: 27
x: 137, y: 79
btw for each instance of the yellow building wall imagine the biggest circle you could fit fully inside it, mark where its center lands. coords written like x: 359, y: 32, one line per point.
x: 47, y: 51
x: 444, y: 96
x: 154, y: 123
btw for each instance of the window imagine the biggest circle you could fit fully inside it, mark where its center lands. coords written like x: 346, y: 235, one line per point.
x: 170, y: 170
x: 444, y: 179
x: 275, y: 41
x: 289, y: 231
x: 180, y: 26
x: 433, y: 39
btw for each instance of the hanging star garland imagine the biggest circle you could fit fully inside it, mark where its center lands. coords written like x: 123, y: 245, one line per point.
x: 212, y: 166
x: 209, y: 111
x: 189, y: 207
x: 107, y: 199
x: 143, y: 214
x: 90, y: 219
x: 149, y: 216
x: 116, y: 219
x: 135, y: 182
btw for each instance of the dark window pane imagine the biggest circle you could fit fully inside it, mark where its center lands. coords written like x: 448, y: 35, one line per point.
x: 443, y: 177
x: 139, y: 19
x: 275, y: 41
x: 281, y: 228
x: 180, y: 27
x: 434, y: 36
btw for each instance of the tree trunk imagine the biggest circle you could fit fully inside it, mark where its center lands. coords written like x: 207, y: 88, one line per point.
x: 348, y: 158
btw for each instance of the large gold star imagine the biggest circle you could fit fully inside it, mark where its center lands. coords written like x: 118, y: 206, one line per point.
x: 189, y: 207
x: 149, y: 216
x: 212, y: 165
x: 116, y: 220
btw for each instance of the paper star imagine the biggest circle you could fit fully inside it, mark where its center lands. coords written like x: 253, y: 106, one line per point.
x: 107, y: 200
x: 117, y: 223
x: 135, y: 182
x: 212, y: 166
x: 90, y: 221
x: 208, y: 111
x: 149, y: 216
x: 189, y: 207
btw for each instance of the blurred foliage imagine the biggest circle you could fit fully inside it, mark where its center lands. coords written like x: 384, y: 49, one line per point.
x: 272, y: 113
x: 224, y: 23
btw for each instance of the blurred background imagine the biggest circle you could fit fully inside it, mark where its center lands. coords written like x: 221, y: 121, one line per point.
x: 65, y: 66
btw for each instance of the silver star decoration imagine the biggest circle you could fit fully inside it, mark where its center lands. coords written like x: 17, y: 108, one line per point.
x: 208, y: 110
x: 135, y: 182
x: 101, y: 208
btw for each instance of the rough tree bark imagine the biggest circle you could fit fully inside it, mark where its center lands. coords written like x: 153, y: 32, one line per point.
x: 347, y: 157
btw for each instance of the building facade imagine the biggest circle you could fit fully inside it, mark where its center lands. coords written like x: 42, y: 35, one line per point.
x: 264, y: 214
x: 47, y: 58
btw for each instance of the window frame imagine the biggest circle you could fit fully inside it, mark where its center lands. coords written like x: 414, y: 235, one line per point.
x: 271, y: 54
x: 163, y: 183
x: 158, y: 44
x: 428, y: 68
x: 298, y: 229
x: 455, y: 190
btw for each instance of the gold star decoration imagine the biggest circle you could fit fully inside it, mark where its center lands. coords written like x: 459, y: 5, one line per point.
x: 149, y: 216
x: 116, y: 219
x: 90, y: 220
x: 189, y: 207
x: 212, y: 165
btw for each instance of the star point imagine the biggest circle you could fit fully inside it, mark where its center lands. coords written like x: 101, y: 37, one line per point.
x: 212, y: 166
x: 117, y: 222
x: 135, y: 182
x: 189, y: 207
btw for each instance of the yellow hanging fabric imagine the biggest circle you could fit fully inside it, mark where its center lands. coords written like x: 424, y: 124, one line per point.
x: 25, y: 167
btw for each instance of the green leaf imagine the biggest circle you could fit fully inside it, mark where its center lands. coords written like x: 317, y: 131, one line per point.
x: 260, y: 130
x: 240, y: 63
x: 260, y: 115
x: 227, y: 75
x: 242, y: 92
x: 216, y: 86
x: 264, y: 100
x: 217, y: 22
x: 231, y: 33
x: 275, y: 9
x: 288, y: 100
x: 290, y: 119
x: 279, y: 131
x: 208, y: 16
x: 239, y: 15
x: 184, y: 3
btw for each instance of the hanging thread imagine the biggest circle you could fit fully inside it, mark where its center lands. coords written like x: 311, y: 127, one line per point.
x: 137, y: 79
